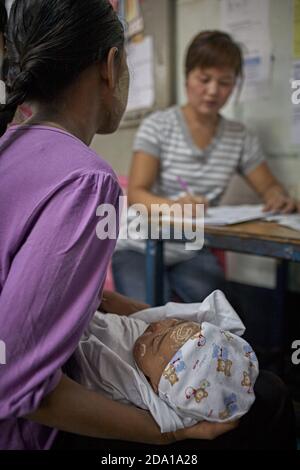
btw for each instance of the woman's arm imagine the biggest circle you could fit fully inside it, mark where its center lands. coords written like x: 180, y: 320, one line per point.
x: 72, y: 408
x: 271, y: 190
x: 112, y: 302
x: 143, y: 173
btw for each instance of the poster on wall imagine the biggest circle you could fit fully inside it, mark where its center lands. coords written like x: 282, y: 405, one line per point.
x: 130, y: 11
x: 141, y: 68
x: 296, y: 29
x: 248, y: 21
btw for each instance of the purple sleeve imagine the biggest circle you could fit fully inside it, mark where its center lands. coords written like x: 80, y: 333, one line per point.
x: 52, y: 291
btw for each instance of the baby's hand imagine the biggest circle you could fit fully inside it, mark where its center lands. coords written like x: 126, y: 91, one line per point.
x: 205, y: 430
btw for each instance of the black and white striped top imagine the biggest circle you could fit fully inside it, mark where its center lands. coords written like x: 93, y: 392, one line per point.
x: 165, y: 135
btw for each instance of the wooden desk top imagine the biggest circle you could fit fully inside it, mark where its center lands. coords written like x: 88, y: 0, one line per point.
x: 260, y: 230
x: 257, y: 238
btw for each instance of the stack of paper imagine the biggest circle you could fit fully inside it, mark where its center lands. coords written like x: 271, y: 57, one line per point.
x: 228, y: 215
x: 225, y: 215
x: 288, y: 220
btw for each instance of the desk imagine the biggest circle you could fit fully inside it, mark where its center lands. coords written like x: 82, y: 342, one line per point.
x: 254, y: 238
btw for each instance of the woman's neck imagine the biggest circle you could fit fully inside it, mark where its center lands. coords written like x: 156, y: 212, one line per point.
x: 71, y: 122
x: 201, y: 120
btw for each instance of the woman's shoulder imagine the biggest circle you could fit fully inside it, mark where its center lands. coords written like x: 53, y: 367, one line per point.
x: 239, y: 131
x: 65, y: 153
x: 163, y: 118
x: 234, y: 126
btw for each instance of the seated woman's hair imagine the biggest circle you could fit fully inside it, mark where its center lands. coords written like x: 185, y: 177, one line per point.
x: 50, y: 42
x: 214, y: 49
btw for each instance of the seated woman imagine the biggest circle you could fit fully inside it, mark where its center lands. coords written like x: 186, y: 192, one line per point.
x: 205, y: 149
x: 198, y: 349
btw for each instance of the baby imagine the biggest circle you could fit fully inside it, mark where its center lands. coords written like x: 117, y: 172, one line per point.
x: 197, y: 366
x: 198, y: 369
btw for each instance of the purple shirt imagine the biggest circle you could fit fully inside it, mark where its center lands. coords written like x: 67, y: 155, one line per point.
x: 52, y: 266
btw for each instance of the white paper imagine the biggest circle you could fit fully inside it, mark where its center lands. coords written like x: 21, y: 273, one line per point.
x: 226, y: 215
x: 289, y: 220
x: 229, y: 215
x: 141, y: 68
x: 248, y: 21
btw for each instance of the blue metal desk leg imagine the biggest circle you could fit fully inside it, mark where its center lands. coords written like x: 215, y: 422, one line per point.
x: 154, y: 272
x: 278, y: 333
x: 280, y: 330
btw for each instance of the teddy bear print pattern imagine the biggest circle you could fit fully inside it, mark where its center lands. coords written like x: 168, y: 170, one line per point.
x: 212, y: 376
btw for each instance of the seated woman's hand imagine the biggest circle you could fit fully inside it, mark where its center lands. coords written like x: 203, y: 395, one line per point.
x: 278, y: 201
x: 205, y: 430
x: 193, y: 200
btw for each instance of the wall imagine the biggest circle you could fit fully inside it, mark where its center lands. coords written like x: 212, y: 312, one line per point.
x: 269, y: 118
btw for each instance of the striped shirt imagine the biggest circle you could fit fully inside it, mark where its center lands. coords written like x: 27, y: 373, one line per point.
x: 165, y: 135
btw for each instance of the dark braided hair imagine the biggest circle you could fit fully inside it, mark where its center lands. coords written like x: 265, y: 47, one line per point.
x: 50, y: 42
x: 3, y: 16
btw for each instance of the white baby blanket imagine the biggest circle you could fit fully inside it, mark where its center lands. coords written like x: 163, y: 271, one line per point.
x: 211, y: 377
x: 105, y: 360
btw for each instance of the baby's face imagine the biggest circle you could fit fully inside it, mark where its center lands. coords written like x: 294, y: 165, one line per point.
x: 159, y: 343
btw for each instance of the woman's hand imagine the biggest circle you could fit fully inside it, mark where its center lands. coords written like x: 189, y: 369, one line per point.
x: 271, y: 190
x: 112, y: 302
x: 72, y: 408
x: 205, y: 430
x: 193, y: 200
x: 277, y: 200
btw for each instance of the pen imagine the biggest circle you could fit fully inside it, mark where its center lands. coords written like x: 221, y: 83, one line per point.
x: 186, y: 188
x: 184, y: 185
